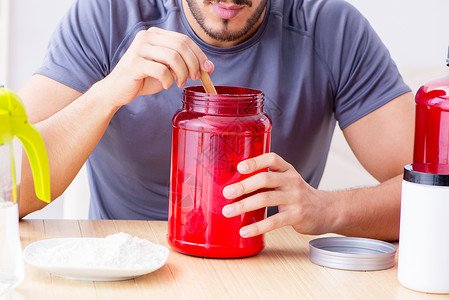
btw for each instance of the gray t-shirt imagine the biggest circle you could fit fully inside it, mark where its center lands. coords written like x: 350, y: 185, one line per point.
x: 317, y: 62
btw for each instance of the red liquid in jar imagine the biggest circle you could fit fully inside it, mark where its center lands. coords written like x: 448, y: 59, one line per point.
x: 211, y: 135
x: 431, y: 149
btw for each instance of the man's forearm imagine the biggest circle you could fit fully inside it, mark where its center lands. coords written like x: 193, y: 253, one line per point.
x: 372, y: 212
x: 70, y: 136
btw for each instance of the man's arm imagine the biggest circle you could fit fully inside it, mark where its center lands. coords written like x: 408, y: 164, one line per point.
x: 72, y: 123
x: 383, y: 143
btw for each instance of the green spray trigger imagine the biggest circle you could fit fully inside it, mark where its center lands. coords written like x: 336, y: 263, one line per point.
x: 14, y: 122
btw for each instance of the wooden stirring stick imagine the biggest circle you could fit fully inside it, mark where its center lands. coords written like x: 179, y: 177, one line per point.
x: 207, y: 83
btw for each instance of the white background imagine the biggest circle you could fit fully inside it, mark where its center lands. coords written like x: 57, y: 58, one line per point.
x: 415, y: 31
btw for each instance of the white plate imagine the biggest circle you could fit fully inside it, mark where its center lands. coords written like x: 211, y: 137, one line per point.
x: 80, y: 273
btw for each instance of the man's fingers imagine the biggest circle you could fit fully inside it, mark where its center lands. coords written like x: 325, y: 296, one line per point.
x: 256, y: 182
x: 271, y: 161
x: 170, y: 58
x: 271, y: 223
x: 194, y: 58
x: 158, y: 71
x: 256, y: 201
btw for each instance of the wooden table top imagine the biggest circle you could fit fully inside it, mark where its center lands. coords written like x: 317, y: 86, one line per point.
x: 281, y: 271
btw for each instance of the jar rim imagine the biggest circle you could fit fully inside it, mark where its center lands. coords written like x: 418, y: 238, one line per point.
x: 224, y: 92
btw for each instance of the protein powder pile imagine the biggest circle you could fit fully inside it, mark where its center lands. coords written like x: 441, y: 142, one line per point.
x: 117, y: 251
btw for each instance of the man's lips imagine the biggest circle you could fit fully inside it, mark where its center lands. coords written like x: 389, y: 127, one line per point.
x: 224, y: 11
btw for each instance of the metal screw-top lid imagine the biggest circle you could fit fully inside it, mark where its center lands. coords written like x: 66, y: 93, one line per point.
x: 350, y: 253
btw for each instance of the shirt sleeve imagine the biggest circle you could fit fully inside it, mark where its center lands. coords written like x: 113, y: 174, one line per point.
x: 363, y: 74
x: 78, y: 51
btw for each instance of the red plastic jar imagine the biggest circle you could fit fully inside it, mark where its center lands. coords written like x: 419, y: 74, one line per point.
x: 431, y: 149
x: 211, y: 135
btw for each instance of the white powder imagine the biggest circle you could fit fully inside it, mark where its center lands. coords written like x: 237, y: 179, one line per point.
x: 117, y: 251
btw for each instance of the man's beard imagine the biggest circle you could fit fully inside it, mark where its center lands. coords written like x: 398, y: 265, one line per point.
x: 225, y: 35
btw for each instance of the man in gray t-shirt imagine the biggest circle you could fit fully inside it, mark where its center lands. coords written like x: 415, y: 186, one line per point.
x: 113, y: 77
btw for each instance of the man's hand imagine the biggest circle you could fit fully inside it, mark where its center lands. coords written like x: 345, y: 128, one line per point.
x: 300, y: 205
x: 153, y: 62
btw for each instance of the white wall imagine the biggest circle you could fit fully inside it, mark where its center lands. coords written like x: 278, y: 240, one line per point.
x: 4, y: 36
x: 31, y: 24
x: 416, y: 32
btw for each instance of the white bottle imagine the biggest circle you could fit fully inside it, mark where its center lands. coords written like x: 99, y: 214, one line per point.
x: 11, y: 261
x: 423, y: 257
